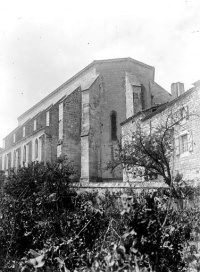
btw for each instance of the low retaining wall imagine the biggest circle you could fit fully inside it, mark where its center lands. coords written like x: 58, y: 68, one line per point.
x: 116, y: 186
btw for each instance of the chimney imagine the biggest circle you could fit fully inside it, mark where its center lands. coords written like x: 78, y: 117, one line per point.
x: 177, y: 89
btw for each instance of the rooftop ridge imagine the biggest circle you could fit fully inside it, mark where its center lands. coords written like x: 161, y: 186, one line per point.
x: 122, y: 59
x: 168, y: 104
x: 57, y: 89
x: 80, y: 73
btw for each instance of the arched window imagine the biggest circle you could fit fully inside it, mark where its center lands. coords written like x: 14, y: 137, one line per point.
x: 113, y: 121
x: 36, y: 149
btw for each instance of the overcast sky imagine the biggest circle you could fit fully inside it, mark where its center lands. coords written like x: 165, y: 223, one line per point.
x: 43, y: 43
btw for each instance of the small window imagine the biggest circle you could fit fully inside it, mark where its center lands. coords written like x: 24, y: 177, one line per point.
x: 24, y: 131
x: 113, y: 120
x: 184, y: 114
x: 184, y: 143
x: 35, y: 125
x: 47, y: 118
x: 14, y: 138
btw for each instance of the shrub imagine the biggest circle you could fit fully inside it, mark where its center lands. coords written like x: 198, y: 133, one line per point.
x: 47, y: 226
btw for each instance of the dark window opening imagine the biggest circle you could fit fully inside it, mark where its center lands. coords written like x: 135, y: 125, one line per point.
x: 135, y: 97
x: 113, y: 118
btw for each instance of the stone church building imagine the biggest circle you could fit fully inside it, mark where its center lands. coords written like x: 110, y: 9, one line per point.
x: 81, y: 118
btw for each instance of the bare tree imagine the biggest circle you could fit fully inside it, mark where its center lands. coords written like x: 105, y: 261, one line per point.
x: 151, y: 146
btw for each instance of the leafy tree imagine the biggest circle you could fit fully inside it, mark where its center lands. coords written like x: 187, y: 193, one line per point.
x: 34, y: 199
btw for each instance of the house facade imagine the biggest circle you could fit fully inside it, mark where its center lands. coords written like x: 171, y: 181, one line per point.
x: 81, y: 118
x: 184, y: 109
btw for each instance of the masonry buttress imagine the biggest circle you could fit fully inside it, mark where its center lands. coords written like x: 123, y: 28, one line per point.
x: 85, y: 127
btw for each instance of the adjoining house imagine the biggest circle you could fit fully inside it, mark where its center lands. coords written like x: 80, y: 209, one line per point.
x: 81, y: 118
x: 185, y: 106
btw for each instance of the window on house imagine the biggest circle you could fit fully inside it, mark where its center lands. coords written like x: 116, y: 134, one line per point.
x: 47, y: 118
x: 24, y: 131
x: 4, y: 143
x: 184, y: 143
x: 113, y: 120
x: 60, y: 129
x: 14, y: 138
x: 36, y: 149
x: 35, y: 125
x: 184, y: 113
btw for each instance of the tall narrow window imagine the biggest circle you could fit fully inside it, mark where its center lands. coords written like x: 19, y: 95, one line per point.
x: 18, y: 157
x: 184, y: 143
x: 14, y: 138
x: 35, y: 125
x: 59, y: 151
x: 135, y: 97
x: 36, y: 149
x: 4, y: 143
x: 24, y: 132
x: 14, y: 158
x: 24, y: 154
x: 7, y: 161
x: 60, y: 132
x: 47, y: 118
x: 113, y: 120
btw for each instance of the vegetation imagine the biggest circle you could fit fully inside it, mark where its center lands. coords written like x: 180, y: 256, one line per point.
x: 46, y: 226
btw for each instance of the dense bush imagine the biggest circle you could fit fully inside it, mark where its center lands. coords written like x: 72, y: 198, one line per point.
x: 49, y: 227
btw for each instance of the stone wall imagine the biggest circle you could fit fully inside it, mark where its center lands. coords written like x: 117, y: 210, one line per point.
x: 72, y: 129
x: 113, y: 98
x: 187, y: 163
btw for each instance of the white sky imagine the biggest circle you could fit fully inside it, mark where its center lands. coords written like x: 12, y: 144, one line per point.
x: 45, y: 42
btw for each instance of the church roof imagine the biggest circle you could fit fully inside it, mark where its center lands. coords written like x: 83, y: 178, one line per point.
x: 91, y: 65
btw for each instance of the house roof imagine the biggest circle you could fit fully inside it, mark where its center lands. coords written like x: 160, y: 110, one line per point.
x: 169, y: 104
x: 159, y: 108
x: 139, y: 113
